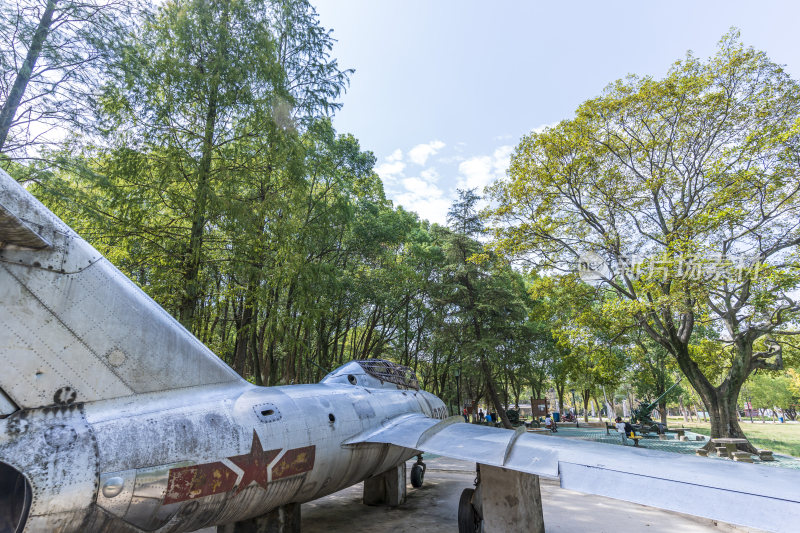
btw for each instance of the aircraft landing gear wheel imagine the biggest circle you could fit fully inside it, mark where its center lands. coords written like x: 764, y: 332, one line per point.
x: 468, y: 521
x: 417, y: 476
x: 418, y: 473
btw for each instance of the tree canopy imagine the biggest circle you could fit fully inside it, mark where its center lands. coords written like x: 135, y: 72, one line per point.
x: 682, y: 196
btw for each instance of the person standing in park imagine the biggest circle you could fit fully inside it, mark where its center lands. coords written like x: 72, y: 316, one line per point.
x: 621, y: 430
x: 480, y: 416
x: 464, y: 412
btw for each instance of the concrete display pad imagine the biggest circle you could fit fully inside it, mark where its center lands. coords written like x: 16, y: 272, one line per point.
x: 433, y: 509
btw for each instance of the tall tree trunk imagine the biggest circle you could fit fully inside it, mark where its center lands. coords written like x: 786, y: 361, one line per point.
x: 243, y: 337
x: 194, y: 252
x: 662, y: 407
x: 560, y: 391
x: 720, y: 402
x: 599, y: 411
x: 724, y: 422
x: 11, y: 104
x: 493, y: 394
x: 586, y: 394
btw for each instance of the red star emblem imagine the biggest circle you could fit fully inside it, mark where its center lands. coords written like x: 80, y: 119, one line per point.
x: 254, y: 464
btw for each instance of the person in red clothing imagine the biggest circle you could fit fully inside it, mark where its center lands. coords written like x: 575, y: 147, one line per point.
x: 466, y: 418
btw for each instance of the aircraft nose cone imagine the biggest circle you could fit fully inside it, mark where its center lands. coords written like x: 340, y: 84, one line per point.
x: 112, y: 487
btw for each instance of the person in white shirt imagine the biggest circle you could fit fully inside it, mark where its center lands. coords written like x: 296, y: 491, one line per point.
x: 621, y: 430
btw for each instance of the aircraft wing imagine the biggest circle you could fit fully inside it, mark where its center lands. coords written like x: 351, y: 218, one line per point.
x: 751, y: 495
x: 75, y: 329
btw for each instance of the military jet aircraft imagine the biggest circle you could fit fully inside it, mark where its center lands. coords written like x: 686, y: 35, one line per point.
x: 114, y: 418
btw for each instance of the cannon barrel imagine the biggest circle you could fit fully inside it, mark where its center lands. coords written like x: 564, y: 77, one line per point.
x: 650, y: 407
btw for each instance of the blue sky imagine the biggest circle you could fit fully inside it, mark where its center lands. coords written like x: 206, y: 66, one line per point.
x: 443, y: 90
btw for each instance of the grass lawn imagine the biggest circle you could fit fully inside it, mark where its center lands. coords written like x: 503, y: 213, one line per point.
x: 780, y: 438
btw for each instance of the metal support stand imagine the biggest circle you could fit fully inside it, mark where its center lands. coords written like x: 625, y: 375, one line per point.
x: 506, y: 500
x: 284, y: 519
x: 388, y: 488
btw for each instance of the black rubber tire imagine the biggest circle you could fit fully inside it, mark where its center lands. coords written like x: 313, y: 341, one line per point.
x: 417, y: 476
x: 467, y: 519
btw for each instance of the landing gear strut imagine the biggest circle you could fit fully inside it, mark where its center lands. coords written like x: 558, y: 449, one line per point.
x: 418, y: 473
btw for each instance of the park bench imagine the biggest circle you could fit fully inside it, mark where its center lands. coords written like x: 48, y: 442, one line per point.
x: 635, y: 439
x: 742, y: 457
x: 680, y: 433
x: 728, y: 447
x: 765, y: 455
x: 702, y: 452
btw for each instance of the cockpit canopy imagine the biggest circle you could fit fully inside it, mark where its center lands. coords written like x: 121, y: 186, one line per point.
x: 376, y: 374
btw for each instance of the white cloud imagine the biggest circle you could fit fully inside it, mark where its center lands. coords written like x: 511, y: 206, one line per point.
x: 397, y: 155
x: 389, y: 172
x: 479, y: 171
x: 476, y: 172
x: 422, y: 188
x: 429, y: 174
x: 421, y: 195
x: 430, y: 209
x: 502, y: 159
x: 421, y: 152
x: 426, y: 199
x: 430, y: 191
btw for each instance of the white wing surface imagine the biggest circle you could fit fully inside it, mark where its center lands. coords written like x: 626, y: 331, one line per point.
x: 75, y: 329
x: 751, y: 495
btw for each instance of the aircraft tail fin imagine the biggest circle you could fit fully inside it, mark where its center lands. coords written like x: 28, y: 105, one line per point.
x: 73, y: 328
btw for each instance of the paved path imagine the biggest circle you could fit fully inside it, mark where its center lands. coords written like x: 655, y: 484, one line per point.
x: 432, y: 509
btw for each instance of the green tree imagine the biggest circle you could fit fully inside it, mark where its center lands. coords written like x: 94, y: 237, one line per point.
x: 687, y: 189
x: 771, y: 392
x: 484, y: 304
x: 53, y: 59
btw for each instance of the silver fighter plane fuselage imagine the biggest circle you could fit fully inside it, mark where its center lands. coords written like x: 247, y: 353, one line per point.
x: 181, y: 460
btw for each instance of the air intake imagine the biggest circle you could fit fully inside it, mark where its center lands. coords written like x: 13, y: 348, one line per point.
x: 15, y: 499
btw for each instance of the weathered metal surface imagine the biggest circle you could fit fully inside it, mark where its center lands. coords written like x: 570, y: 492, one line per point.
x: 54, y: 449
x: 255, y: 464
x: 198, y: 481
x: 17, y: 233
x: 116, y: 504
x: 294, y: 462
x: 72, y: 320
x: 6, y: 405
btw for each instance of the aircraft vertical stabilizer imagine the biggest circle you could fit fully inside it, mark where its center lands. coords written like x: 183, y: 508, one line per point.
x: 75, y: 329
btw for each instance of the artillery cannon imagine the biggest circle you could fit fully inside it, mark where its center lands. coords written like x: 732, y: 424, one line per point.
x: 640, y: 417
